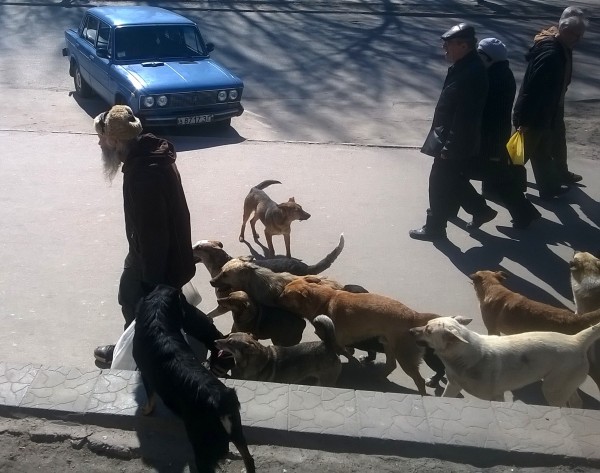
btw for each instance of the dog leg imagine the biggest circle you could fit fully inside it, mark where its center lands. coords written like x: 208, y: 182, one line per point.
x: 560, y: 386
x: 253, y: 221
x: 408, y: 359
x: 269, y: 238
x: 452, y: 389
x: 238, y: 439
x: 286, y: 239
x: 247, y: 211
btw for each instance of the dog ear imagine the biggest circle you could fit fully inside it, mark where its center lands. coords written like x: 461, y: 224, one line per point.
x: 291, y: 199
x: 455, y: 335
x: 473, y: 276
x: 501, y: 275
x: 462, y: 320
x: 313, y: 279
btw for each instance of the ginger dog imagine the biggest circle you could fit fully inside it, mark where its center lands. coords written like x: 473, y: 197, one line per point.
x: 362, y: 316
x: 487, y: 366
x: 585, y: 282
x: 277, y: 218
x: 507, y: 312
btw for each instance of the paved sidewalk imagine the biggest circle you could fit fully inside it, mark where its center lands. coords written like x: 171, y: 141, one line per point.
x: 324, y: 418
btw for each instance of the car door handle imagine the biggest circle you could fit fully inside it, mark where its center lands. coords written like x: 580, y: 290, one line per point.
x: 91, y: 56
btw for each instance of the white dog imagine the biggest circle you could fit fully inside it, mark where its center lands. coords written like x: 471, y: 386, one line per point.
x: 486, y: 366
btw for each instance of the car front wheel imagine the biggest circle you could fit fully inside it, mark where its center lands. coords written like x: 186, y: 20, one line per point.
x: 81, y: 86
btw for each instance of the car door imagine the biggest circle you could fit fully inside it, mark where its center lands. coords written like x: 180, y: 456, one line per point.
x: 87, y: 48
x: 100, y: 65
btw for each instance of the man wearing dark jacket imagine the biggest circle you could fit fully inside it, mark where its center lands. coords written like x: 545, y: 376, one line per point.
x: 454, y: 137
x: 539, y: 109
x: 499, y: 177
x: 157, y: 219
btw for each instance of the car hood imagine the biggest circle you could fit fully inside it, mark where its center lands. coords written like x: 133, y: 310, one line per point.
x: 175, y: 76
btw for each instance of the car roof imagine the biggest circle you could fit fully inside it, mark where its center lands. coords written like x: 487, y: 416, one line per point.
x: 138, y: 15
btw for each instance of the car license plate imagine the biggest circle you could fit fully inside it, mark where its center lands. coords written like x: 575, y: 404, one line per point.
x: 194, y: 120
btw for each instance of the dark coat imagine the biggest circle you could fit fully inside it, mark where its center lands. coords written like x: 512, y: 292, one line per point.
x: 456, y: 126
x: 544, y: 83
x: 157, y: 219
x: 496, y: 127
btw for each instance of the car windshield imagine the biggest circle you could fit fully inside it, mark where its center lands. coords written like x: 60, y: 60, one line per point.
x: 150, y: 43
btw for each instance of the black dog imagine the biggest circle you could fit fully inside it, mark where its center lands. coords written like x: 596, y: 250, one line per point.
x: 209, y: 409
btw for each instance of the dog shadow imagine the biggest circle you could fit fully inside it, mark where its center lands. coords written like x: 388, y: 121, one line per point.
x: 265, y: 251
x: 164, y: 445
x: 368, y: 377
x: 532, y: 394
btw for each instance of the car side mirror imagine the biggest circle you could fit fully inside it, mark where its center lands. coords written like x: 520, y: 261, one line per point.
x: 210, y: 47
x: 102, y: 52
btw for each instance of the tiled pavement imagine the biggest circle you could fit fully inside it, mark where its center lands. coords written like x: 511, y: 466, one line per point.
x: 324, y: 418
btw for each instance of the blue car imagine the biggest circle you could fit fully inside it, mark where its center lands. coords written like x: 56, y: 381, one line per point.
x: 155, y: 61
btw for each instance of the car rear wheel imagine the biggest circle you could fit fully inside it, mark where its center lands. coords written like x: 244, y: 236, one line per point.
x: 81, y: 86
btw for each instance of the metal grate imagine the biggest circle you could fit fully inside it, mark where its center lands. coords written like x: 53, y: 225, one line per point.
x: 192, y: 99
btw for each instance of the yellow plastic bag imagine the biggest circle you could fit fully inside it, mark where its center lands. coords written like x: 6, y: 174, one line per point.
x: 516, y: 148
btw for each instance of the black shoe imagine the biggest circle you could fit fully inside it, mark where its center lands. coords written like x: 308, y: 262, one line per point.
x: 427, y: 234
x: 549, y: 195
x: 570, y: 178
x: 523, y: 222
x: 104, y: 354
x: 484, y: 217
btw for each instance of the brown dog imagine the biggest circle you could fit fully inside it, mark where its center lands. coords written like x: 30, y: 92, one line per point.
x: 213, y: 256
x: 585, y: 282
x: 261, y: 284
x: 277, y: 218
x: 263, y: 322
x: 315, y: 363
x: 507, y: 312
x: 362, y: 316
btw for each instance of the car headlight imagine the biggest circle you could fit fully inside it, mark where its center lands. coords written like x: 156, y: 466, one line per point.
x: 222, y: 96
x: 148, y: 102
x: 162, y: 101
x: 233, y: 94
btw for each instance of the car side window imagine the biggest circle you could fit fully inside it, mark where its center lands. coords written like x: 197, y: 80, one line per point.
x: 103, y: 37
x: 90, y: 30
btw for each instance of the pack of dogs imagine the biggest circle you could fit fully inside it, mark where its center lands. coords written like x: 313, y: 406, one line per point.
x: 272, y: 298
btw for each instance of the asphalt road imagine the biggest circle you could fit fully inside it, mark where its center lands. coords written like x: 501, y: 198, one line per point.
x: 348, y: 99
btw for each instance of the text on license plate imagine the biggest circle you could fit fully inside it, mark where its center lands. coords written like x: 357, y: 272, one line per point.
x: 194, y: 120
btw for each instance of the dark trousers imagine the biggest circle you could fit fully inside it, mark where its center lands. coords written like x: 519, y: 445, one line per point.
x: 507, y: 182
x: 559, y: 144
x: 449, y: 189
x: 540, y: 149
x: 132, y: 289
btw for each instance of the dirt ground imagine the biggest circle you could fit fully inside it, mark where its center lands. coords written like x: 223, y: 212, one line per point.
x: 32, y: 445
x: 583, y: 129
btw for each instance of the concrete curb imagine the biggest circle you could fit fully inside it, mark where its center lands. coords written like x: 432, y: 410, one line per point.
x: 338, y: 420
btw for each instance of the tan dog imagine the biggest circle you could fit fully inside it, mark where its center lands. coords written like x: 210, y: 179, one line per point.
x: 507, y: 312
x: 261, y: 284
x: 585, y: 282
x: 487, y: 366
x: 277, y: 218
x: 314, y: 363
x: 213, y: 256
x: 362, y: 316
x: 261, y: 321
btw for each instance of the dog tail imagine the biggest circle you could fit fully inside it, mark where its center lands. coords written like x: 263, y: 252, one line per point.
x: 326, y: 262
x: 267, y: 183
x: 588, y: 336
x: 325, y: 330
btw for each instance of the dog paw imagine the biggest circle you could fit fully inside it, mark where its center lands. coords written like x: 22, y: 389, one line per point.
x: 147, y: 409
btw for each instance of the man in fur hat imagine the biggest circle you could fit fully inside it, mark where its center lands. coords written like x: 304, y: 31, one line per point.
x: 539, y: 109
x: 157, y: 219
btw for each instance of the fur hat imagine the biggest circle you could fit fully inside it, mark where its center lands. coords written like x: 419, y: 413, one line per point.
x: 119, y: 122
x: 493, y: 48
